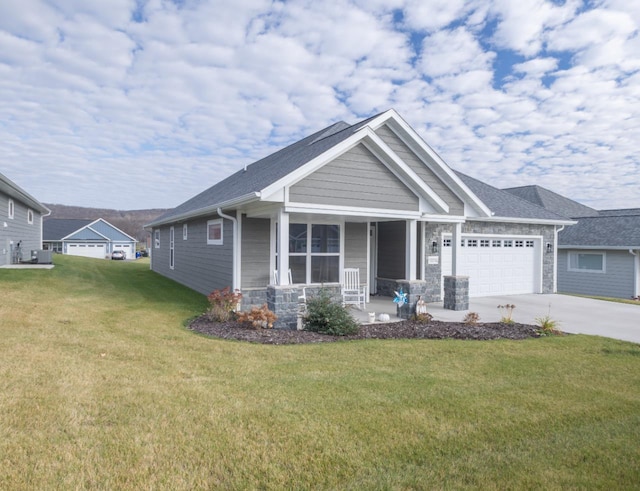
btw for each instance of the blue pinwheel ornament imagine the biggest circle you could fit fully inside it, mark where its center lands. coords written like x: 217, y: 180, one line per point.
x: 400, y: 298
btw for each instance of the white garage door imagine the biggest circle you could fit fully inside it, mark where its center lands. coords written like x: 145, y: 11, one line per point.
x: 496, y: 265
x: 126, y: 248
x: 87, y: 250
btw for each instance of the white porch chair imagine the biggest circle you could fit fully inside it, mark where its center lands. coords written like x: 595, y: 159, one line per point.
x: 275, y: 277
x: 352, y: 292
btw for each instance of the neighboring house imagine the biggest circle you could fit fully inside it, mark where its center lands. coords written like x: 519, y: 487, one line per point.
x: 372, y: 196
x: 20, y: 223
x: 600, y: 255
x: 87, y: 238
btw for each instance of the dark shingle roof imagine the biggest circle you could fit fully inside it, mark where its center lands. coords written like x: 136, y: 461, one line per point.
x: 553, y: 201
x: 504, y: 204
x: 616, y: 231
x: 266, y: 171
x: 57, y: 228
x: 276, y: 166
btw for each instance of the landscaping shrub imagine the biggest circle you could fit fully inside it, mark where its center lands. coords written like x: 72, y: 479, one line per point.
x: 424, y: 317
x: 328, y: 317
x: 507, y: 312
x: 257, y: 317
x: 222, y: 304
x: 547, y: 325
x: 471, y: 319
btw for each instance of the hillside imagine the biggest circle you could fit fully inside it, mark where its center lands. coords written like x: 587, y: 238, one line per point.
x: 130, y: 222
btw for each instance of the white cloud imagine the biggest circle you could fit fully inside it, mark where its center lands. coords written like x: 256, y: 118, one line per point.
x: 181, y: 94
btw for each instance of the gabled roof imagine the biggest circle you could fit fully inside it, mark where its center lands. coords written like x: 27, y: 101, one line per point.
x: 553, y: 201
x: 265, y: 179
x: 506, y: 204
x: 11, y: 189
x: 617, y: 231
x: 57, y: 229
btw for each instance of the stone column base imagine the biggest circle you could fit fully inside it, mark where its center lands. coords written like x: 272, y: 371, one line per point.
x: 456, y: 292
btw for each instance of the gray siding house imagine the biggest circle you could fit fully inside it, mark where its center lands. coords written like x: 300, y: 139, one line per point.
x: 87, y: 238
x: 599, y: 256
x: 372, y: 196
x: 20, y: 223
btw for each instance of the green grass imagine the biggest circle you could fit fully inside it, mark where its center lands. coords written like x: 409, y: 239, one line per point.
x: 102, y: 387
x: 607, y: 299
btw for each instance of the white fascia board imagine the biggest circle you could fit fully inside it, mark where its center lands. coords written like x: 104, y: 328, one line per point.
x: 599, y: 248
x: 455, y: 183
x: 208, y: 210
x: 384, y: 153
x: 539, y: 221
x: 352, y: 211
x: 69, y: 237
x: 402, y: 170
x: 442, y: 218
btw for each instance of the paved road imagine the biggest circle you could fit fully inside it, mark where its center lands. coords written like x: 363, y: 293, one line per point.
x: 574, y: 314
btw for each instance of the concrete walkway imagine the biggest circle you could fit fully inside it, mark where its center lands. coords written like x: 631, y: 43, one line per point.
x: 574, y: 314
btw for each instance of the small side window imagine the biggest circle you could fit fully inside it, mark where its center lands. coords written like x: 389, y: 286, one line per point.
x: 214, y: 232
x: 30, y: 217
x: 185, y: 231
x: 156, y: 239
x: 10, y: 209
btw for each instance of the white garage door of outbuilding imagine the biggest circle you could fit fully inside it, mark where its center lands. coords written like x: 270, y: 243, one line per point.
x: 496, y: 265
x: 87, y: 250
x: 127, y: 248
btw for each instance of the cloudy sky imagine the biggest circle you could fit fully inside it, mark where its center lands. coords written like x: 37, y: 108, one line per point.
x: 132, y: 104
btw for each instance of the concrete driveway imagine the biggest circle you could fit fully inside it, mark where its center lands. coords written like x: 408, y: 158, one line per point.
x: 574, y: 314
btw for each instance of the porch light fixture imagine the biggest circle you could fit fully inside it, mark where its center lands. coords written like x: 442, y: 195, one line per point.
x: 549, y: 248
x: 434, y: 247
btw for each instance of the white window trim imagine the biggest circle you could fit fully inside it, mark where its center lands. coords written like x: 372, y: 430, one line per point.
x: 185, y: 231
x: 30, y: 216
x: 156, y: 239
x: 220, y: 241
x: 309, y: 254
x: 172, y: 236
x: 578, y: 270
x: 11, y: 209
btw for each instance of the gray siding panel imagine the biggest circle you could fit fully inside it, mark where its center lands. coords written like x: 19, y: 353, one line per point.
x: 356, y: 178
x: 355, y: 248
x: 617, y: 281
x: 255, y: 252
x: 18, y: 229
x: 198, y: 265
x: 456, y: 207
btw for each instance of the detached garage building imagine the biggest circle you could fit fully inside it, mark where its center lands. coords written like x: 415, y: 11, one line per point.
x: 87, y: 238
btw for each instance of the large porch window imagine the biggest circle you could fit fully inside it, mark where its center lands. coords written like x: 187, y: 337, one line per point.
x: 314, y: 253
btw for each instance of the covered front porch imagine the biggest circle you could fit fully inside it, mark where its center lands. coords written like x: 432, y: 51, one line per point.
x: 391, y: 253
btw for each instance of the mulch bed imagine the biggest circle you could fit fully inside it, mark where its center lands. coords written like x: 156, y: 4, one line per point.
x: 391, y: 330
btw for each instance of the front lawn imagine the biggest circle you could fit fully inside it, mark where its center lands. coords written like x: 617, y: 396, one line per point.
x: 102, y: 387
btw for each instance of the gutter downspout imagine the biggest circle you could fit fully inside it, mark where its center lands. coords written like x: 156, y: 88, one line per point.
x: 234, y: 220
x: 636, y: 261
x: 555, y: 259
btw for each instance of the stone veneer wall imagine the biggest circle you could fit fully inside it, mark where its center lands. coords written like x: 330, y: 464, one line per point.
x: 456, y: 292
x: 283, y: 300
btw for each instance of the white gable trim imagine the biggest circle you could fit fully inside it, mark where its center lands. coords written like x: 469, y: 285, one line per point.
x: 89, y: 226
x: 408, y: 135
x: 381, y: 150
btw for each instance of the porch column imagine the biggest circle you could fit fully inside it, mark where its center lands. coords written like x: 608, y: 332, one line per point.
x: 283, y: 244
x: 412, y: 250
x: 455, y: 247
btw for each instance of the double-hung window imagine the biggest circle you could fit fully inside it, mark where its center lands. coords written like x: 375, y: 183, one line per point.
x: 314, y: 253
x: 587, y: 262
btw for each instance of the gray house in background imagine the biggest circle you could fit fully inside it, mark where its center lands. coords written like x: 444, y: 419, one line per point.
x: 87, y: 238
x: 372, y: 196
x: 20, y: 222
x: 599, y: 256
